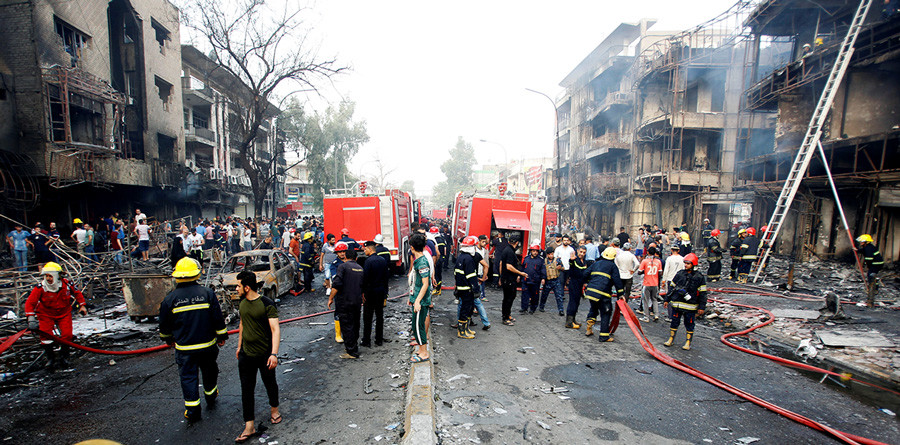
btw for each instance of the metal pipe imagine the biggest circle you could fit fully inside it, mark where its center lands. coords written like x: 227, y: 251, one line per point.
x: 837, y: 201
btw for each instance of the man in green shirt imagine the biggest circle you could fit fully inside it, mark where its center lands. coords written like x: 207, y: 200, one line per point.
x: 257, y: 351
x: 420, y: 298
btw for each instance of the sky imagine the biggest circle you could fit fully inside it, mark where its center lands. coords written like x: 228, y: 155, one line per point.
x: 425, y: 73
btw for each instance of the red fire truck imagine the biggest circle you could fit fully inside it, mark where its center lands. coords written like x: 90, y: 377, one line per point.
x: 482, y: 213
x: 367, y: 215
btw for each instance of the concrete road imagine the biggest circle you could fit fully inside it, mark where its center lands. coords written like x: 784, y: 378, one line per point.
x: 490, y: 389
x: 138, y: 400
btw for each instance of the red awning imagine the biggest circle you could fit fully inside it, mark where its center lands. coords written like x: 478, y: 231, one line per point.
x: 511, y: 220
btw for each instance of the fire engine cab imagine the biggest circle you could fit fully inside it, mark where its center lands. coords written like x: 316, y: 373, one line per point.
x: 481, y: 213
x: 368, y: 214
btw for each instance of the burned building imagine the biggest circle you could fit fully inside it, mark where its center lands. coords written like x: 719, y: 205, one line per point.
x: 794, y: 44
x: 89, y: 109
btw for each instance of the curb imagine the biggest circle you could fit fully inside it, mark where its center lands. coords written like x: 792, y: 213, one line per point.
x: 420, y: 420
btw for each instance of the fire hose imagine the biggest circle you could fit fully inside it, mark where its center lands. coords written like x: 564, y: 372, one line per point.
x: 12, y: 339
x: 635, y: 327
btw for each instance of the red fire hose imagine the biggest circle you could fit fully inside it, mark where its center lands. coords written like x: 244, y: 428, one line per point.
x: 635, y: 326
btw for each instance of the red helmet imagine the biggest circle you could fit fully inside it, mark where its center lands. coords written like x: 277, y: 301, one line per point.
x: 345, y: 231
x: 469, y: 241
x: 751, y: 231
x: 340, y: 246
x: 763, y: 229
x: 715, y: 232
x: 691, y: 258
x: 434, y: 229
x: 535, y: 247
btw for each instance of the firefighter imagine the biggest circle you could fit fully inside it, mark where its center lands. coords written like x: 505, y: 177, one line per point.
x: 748, y: 252
x: 345, y: 238
x: 763, y: 245
x: 684, y: 242
x: 49, y: 305
x: 734, y: 249
x: 347, y: 295
x: 434, y: 235
x: 714, y: 256
x: 874, y: 261
x: 380, y: 250
x: 603, y: 276
x: 340, y: 249
x: 576, y: 278
x: 466, y: 276
x: 688, y: 299
x: 307, y: 252
x: 191, y: 320
x: 706, y: 233
x: 533, y: 265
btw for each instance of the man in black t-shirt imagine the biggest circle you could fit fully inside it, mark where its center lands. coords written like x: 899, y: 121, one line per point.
x: 510, y: 274
x: 346, y: 295
x: 623, y: 236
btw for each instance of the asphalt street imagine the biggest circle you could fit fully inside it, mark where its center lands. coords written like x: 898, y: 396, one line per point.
x: 138, y: 399
x: 493, y: 389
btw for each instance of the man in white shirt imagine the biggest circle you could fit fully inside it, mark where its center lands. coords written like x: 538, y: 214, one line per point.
x: 196, y: 240
x: 138, y: 216
x: 674, y: 263
x: 628, y: 265
x: 564, y: 254
x: 142, y: 230
x: 80, y: 237
x: 246, y: 237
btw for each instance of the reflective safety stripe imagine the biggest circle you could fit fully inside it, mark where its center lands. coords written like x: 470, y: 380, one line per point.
x: 306, y: 265
x: 703, y: 288
x: 212, y: 391
x: 459, y: 271
x: 165, y: 335
x: 580, y: 267
x: 591, y: 298
x: 744, y: 246
x: 472, y: 275
x: 591, y: 289
x: 684, y: 306
x: 602, y: 274
x: 463, y: 288
x: 222, y: 331
x: 192, y: 402
x: 604, y: 334
x: 749, y: 257
x: 877, y: 263
x: 190, y: 307
x: 194, y: 347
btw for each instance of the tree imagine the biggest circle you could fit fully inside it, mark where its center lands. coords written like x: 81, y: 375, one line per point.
x: 458, y: 170
x: 409, y: 186
x: 327, y: 141
x: 263, y: 49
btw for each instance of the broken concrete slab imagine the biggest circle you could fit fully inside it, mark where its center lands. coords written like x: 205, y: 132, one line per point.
x: 796, y: 313
x: 847, y: 337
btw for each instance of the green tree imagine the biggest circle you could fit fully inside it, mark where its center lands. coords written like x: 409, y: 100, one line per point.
x: 409, y: 186
x: 327, y: 142
x: 458, y: 170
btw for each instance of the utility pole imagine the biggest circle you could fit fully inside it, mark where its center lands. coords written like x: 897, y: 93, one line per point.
x: 555, y: 148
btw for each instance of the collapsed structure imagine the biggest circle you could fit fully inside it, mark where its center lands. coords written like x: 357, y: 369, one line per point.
x: 672, y: 128
x: 98, y: 100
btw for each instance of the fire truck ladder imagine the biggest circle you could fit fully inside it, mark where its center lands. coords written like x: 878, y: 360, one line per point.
x: 813, y: 134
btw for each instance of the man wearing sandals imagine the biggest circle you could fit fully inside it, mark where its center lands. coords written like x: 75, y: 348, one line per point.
x: 420, y: 297
x: 257, y: 351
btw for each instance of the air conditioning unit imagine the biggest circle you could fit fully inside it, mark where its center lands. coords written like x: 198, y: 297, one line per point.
x: 213, y: 173
x: 189, y: 163
x: 246, y: 181
x: 232, y: 179
x: 220, y: 174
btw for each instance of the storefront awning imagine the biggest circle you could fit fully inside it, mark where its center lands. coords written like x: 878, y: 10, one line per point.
x: 511, y: 220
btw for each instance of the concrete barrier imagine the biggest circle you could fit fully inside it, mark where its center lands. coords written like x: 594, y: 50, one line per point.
x: 420, y: 411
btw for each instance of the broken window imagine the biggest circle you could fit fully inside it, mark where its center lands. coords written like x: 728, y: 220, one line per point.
x: 162, y: 35
x: 74, y: 41
x: 165, y: 92
x: 166, y: 146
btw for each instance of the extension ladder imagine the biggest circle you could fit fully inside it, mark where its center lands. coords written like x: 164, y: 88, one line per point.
x: 813, y: 134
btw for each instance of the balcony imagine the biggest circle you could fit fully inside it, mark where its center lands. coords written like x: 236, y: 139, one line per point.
x: 616, y: 101
x: 195, y: 92
x: 563, y: 124
x: 609, y: 143
x: 688, y: 119
x: 606, y: 186
x: 201, y: 135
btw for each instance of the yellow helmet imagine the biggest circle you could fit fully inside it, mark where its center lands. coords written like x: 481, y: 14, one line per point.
x: 51, y: 267
x: 865, y: 238
x: 742, y: 231
x: 77, y: 221
x: 186, y: 268
x: 307, y: 235
x: 685, y: 236
x: 610, y: 253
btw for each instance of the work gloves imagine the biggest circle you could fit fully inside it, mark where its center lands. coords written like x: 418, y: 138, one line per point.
x: 33, y: 324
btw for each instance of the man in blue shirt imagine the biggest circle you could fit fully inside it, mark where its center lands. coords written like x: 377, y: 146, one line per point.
x: 18, y: 244
x: 592, y: 252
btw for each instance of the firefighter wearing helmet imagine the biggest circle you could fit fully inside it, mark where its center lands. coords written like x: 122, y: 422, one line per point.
x: 734, y: 250
x: 714, y: 256
x: 380, y: 250
x: 688, y: 299
x: 307, y: 253
x: 874, y: 262
x: 466, y: 275
x: 340, y: 249
x: 602, y: 277
x: 345, y: 238
x: 49, y: 305
x: 533, y: 265
x: 191, y: 320
x: 749, y: 252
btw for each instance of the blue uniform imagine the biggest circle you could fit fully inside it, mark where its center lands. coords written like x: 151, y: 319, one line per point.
x: 531, y: 288
x: 603, y: 277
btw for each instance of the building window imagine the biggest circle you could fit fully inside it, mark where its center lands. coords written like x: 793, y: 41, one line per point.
x: 165, y: 92
x: 166, y: 146
x: 74, y: 41
x: 187, y: 119
x: 200, y: 121
x: 163, y: 36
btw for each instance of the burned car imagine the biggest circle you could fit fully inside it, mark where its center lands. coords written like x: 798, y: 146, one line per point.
x: 273, y: 269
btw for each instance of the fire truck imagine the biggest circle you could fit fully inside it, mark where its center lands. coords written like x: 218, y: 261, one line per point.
x: 481, y: 213
x: 366, y: 215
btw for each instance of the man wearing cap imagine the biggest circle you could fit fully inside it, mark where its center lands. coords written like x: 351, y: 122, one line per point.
x: 347, y: 296
x: 533, y: 265
x: 307, y: 252
x: 190, y: 319
x: 259, y: 337
x: 49, y: 305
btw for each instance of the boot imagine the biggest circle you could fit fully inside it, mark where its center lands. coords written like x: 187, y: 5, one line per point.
x: 51, y: 357
x: 589, y: 330
x: 63, y: 357
x: 671, y: 339
x: 570, y: 322
x: 192, y: 415
x: 337, y: 332
x: 211, y: 397
x: 687, y: 344
x: 463, y: 331
x: 469, y: 325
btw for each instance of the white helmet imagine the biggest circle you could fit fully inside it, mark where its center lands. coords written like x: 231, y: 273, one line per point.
x: 379, y: 239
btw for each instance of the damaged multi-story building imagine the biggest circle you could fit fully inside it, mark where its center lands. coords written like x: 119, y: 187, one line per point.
x: 794, y: 45
x: 98, y: 115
